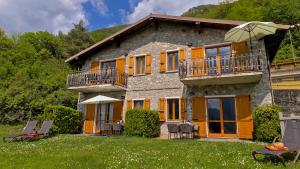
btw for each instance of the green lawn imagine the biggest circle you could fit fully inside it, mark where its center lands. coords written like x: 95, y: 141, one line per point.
x: 68, y: 151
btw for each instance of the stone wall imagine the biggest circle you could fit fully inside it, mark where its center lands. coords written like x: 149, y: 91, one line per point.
x: 289, y: 101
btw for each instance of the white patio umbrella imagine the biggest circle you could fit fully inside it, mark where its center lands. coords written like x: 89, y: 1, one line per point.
x: 99, y: 99
x: 249, y: 31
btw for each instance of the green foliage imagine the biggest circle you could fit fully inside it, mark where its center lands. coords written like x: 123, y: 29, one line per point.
x: 66, y: 120
x: 267, y: 125
x: 278, y: 11
x: 76, y: 39
x: 103, y: 33
x: 141, y: 122
x: 33, y: 75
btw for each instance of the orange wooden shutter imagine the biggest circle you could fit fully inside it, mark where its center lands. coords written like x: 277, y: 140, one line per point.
x: 147, y: 104
x: 89, y: 118
x: 199, y: 114
x: 129, y: 104
x: 239, y: 48
x: 148, y: 63
x: 162, y: 62
x: 182, y: 55
x: 131, y: 66
x: 244, y: 117
x: 94, y: 67
x: 161, y: 107
x: 183, y: 108
x: 199, y: 65
x: 117, y: 114
x: 120, y: 67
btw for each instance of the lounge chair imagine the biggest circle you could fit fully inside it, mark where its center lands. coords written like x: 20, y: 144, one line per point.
x: 106, y: 129
x: 29, y: 128
x: 42, y: 133
x: 291, y: 139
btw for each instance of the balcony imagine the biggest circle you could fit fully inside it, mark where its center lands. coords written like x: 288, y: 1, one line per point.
x: 222, y: 70
x: 98, y: 81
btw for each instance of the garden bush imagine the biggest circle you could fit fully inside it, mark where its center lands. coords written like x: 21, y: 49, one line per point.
x: 66, y: 119
x: 267, y: 124
x: 141, y: 122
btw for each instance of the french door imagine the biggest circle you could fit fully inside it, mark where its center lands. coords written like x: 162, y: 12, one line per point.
x: 218, y: 59
x: 221, y: 117
x: 106, y: 113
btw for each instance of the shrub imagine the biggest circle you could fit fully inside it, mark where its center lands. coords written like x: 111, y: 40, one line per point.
x: 66, y: 119
x: 267, y: 124
x: 141, y: 122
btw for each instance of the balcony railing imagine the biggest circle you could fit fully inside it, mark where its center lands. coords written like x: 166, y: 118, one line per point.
x: 100, y: 77
x: 222, y: 66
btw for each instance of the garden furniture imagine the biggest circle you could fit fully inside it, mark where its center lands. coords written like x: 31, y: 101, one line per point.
x: 291, y: 139
x: 186, y: 129
x: 42, y: 133
x: 29, y: 128
x: 106, y: 129
x: 117, y: 129
x: 172, y: 129
x: 196, y: 130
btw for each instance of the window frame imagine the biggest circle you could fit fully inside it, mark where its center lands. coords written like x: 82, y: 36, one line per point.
x: 135, y: 64
x: 167, y: 60
x: 167, y: 110
x: 138, y: 99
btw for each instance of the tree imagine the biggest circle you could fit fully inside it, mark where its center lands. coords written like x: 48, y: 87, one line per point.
x: 76, y: 39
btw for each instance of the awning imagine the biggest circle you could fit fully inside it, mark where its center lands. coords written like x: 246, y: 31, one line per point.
x: 99, y: 99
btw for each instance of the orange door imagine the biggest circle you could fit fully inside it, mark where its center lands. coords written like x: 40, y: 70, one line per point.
x: 89, y: 118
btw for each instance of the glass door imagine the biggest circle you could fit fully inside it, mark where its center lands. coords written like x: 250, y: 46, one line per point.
x: 221, y: 117
x: 108, y: 69
x: 211, y: 55
x: 106, y: 114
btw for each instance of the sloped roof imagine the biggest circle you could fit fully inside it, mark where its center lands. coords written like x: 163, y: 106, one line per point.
x: 225, y: 24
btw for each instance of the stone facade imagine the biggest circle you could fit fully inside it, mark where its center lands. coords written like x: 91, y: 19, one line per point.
x: 157, y: 85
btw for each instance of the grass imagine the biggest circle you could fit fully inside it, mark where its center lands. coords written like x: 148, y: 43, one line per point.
x: 68, y: 151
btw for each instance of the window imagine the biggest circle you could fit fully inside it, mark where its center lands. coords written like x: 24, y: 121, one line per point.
x: 138, y: 104
x: 173, y: 109
x: 108, y: 69
x: 140, y: 65
x: 172, y: 61
x: 218, y: 59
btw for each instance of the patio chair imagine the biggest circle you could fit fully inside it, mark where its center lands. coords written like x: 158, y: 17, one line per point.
x: 291, y: 139
x: 186, y: 129
x: 29, y: 128
x: 117, y: 129
x: 106, y: 129
x: 172, y: 129
x: 42, y: 133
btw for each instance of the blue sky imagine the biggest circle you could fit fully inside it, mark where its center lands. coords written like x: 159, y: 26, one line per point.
x: 113, y: 16
x: 60, y: 15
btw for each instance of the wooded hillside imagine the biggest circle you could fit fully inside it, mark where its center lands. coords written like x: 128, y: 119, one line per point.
x: 278, y: 11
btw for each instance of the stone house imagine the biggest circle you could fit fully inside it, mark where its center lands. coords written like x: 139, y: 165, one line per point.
x: 181, y: 67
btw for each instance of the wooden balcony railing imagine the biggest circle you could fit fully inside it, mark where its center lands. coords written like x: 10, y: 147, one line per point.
x: 221, y: 66
x: 103, y: 76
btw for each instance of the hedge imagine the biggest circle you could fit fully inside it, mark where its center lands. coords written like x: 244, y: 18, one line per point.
x: 66, y: 120
x: 141, y: 122
x: 267, y: 124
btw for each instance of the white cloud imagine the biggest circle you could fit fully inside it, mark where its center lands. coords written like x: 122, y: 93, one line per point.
x: 170, y: 7
x: 100, y: 6
x: 35, y: 15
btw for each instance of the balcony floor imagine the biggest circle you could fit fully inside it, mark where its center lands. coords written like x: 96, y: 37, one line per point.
x: 98, y: 88
x: 237, y: 78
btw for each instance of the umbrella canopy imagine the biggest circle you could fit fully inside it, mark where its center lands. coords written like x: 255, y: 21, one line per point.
x: 250, y: 30
x: 99, y: 99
